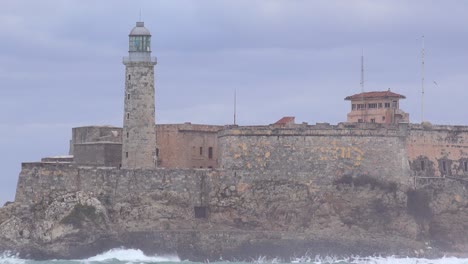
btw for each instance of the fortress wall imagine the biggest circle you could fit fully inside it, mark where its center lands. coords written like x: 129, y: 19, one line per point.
x: 315, y: 153
x: 39, y: 180
x: 179, y: 145
x: 107, y: 154
x: 431, y: 148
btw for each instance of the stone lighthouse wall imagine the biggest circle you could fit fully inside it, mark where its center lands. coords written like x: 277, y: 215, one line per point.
x: 139, y: 136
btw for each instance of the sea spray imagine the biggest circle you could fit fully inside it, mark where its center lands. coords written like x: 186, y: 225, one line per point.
x: 136, y: 256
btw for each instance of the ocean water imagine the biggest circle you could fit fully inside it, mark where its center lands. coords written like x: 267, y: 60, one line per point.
x: 135, y: 256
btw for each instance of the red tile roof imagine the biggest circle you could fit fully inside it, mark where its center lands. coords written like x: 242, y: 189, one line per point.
x: 382, y: 94
x: 286, y: 120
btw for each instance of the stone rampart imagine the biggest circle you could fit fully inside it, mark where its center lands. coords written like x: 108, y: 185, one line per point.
x: 317, y: 154
x: 435, y: 150
x: 38, y: 181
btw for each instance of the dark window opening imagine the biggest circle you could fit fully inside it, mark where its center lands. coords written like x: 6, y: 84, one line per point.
x: 422, y: 165
x: 126, y: 154
x: 201, y: 151
x: 444, y: 166
x: 128, y: 134
x: 200, y: 211
x: 360, y: 120
x: 210, y: 167
x: 380, y: 105
x: 372, y: 120
x: 128, y: 115
x: 361, y: 106
x: 210, y: 152
x: 129, y: 77
x: 383, y: 118
x: 395, y: 104
x: 465, y: 166
x: 157, y: 152
x: 387, y: 105
x: 128, y: 96
x: 353, y: 107
x: 372, y: 105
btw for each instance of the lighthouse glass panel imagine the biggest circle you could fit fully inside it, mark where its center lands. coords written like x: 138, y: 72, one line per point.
x: 140, y: 43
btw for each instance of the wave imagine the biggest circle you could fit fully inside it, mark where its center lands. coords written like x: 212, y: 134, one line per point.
x: 378, y: 260
x: 136, y: 256
x: 10, y: 258
x: 132, y: 256
x: 113, y: 256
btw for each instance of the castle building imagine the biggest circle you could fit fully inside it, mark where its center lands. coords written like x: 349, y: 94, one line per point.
x: 377, y: 107
x: 139, y: 134
x: 283, y: 148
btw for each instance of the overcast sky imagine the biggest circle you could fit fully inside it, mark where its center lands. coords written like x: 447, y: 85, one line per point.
x: 61, y: 64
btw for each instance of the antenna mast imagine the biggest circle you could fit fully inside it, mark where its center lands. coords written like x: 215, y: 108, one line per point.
x: 422, y: 80
x: 362, y: 72
x: 364, y: 110
x: 235, y: 104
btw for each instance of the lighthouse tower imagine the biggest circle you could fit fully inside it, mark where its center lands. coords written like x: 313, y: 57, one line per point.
x: 139, y: 135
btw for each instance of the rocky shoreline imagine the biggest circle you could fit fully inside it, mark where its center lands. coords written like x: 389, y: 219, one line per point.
x: 348, y: 218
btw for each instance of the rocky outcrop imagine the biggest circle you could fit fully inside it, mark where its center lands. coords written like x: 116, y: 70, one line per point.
x: 354, y: 215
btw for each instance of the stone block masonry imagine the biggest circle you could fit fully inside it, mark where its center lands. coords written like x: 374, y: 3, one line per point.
x: 38, y: 181
x: 316, y: 153
x: 437, y: 151
x: 139, y: 136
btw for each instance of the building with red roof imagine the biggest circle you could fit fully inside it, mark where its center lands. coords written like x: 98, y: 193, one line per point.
x: 377, y: 107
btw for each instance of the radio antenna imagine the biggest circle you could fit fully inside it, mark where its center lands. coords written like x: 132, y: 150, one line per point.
x: 235, y: 104
x: 363, y: 110
x: 362, y: 71
x: 422, y: 80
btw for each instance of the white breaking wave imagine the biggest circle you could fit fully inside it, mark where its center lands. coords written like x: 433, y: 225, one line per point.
x: 8, y: 258
x: 131, y: 255
x: 136, y: 256
x: 378, y: 260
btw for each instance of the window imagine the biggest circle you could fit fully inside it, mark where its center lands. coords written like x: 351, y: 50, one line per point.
x: 129, y: 77
x: 383, y: 118
x: 128, y: 134
x: 444, y: 166
x: 372, y: 120
x: 353, y: 107
x: 394, y: 104
x: 422, y: 165
x: 380, y: 105
x: 126, y: 154
x: 201, y: 151
x: 128, y: 96
x: 360, y: 120
x: 361, y: 106
x: 465, y: 165
x: 210, y: 152
x: 372, y: 105
x: 387, y: 105
x: 200, y: 211
x: 157, y: 152
x: 128, y: 116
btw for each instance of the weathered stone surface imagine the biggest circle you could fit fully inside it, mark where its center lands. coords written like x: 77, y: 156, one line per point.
x: 270, y: 216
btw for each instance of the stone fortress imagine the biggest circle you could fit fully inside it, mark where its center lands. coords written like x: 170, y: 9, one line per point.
x: 377, y: 139
x: 206, y: 166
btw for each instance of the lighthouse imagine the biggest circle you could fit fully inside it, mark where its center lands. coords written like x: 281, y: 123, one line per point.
x: 139, y: 134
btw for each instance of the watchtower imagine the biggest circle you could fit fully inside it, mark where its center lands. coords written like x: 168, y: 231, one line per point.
x: 139, y: 135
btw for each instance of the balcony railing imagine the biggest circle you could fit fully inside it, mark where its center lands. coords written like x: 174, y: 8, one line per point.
x: 139, y: 59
